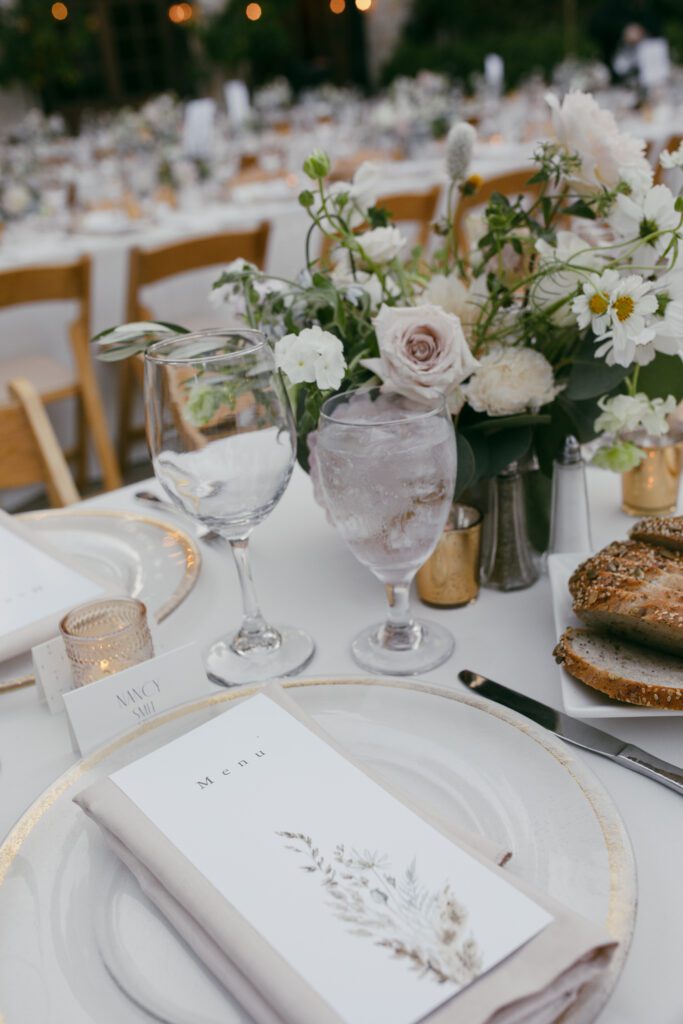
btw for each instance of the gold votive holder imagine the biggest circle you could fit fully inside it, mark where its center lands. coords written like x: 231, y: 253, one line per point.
x: 450, y: 576
x: 651, y: 488
x: 106, y: 636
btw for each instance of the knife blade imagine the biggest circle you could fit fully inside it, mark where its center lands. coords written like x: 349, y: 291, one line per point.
x: 579, y: 733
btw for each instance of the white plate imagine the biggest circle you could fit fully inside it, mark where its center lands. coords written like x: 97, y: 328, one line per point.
x: 577, y: 698
x: 80, y: 943
x: 131, y: 554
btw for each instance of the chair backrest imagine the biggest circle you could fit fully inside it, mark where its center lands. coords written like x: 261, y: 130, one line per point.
x: 404, y: 207
x: 52, y: 283
x: 30, y: 452
x: 419, y: 207
x: 672, y: 144
x: 513, y: 184
x: 146, y: 266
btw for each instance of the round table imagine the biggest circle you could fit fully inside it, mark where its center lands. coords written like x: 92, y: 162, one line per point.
x: 305, y: 575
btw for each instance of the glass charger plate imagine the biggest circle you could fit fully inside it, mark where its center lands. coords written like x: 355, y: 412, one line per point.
x: 132, y: 554
x: 80, y: 942
x: 578, y: 699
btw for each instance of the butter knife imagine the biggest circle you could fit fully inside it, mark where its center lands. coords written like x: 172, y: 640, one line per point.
x: 579, y: 733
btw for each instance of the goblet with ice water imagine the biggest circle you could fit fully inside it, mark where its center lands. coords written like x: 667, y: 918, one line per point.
x: 387, y: 469
x: 223, y: 442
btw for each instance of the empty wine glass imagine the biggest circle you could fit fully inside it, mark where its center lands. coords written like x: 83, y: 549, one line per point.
x: 223, y: 442
x: 387, y: 469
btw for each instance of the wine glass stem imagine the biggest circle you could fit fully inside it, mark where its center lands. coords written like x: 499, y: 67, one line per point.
x: 254, y: 631
x: 400, y: 632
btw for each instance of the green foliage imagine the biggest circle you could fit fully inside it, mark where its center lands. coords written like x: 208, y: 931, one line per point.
x: 256, y: 50
x: 664, y: 376
x: 455, y: 38
x: 41, y: 53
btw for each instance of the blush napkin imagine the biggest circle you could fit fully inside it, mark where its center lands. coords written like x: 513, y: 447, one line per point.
x: 535, y: 985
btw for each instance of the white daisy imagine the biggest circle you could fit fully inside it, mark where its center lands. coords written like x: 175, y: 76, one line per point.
x: 593, y: 305
x: 632, y: 306
x: 653, y: 214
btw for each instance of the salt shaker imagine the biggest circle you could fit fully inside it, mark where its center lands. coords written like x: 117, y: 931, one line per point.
x: 569, y: 519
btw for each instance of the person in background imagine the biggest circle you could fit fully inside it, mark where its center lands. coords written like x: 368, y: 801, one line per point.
x: 618, y: 26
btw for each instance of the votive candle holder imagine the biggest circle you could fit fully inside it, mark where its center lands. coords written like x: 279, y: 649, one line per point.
x: 106, y: 636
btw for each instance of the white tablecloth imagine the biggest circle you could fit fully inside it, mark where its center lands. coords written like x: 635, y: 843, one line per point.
x: 304, y: 573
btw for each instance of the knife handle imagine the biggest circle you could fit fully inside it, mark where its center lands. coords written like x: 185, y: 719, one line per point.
x: 653, y: 767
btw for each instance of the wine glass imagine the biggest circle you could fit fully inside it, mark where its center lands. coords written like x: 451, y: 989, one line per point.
x: 223, y: 441
x: 387, y: 471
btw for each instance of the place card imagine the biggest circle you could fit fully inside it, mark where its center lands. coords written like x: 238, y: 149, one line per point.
x: 52, y: 671
x: 110, y: 706
x: 381, y: 914
x: 36, y: 588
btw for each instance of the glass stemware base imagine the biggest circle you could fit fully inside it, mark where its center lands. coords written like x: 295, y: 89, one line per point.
x: 431, y: 646
x: 231, y: 662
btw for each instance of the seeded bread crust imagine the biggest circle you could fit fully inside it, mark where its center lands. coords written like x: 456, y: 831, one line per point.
x: 635, y: 590
x: 629, y: 663
x: 666, y: 531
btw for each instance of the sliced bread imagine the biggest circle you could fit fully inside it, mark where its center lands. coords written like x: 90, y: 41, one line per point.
x: 634, y: 590
x: 666, y: 531
x: 622, y: 670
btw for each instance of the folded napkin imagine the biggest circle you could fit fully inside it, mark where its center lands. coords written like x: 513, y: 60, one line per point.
x: 535, y: 985
x: 37, y: 587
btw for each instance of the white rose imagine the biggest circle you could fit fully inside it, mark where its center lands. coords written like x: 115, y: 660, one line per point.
x: 452, y: 295
x: 361, y: 194
x: 352, y: 282
x: 423, y: 352
x: 312, y: 356
x: 365, y: 185
x: 607, y: 156
x: 381, y: 245
x: 511, y: 380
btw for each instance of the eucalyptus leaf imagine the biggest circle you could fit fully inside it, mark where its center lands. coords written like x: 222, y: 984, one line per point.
x: 591, y: 378
x: 664, y: 376
x: 467, y: 467
x: 497, y: 423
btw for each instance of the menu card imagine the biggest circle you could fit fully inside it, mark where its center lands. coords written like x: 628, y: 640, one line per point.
x: 36, y: 589
x: 380, y: 913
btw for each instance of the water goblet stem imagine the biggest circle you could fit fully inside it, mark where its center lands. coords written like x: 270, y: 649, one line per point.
x: 254, y: 633
x: 400, y: 632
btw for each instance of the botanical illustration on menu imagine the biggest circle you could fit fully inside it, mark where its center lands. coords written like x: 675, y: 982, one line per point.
x: 424, y: 927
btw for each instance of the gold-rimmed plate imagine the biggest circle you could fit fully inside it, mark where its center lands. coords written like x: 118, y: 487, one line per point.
x: 80, y: 942
x: 132, y: 554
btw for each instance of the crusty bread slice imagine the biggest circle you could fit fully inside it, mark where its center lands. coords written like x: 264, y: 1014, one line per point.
x: 666, y: 531
x: 634, y: 590
x: 622, y: 670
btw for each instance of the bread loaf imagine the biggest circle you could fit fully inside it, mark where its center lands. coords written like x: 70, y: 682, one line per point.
x: 634, y: 590
x: 622, y: 670
x: 665, y: 531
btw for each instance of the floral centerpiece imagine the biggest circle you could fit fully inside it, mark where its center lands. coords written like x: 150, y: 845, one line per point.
x: 561, y: 314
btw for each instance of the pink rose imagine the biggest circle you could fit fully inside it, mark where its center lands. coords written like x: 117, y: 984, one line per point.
x: 423, y: 351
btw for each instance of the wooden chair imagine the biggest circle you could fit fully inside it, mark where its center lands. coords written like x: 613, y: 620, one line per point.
x: 30, y: 452
x: 405, y: 207
x: 672, y: 144
x: 512, y: 185
x: 148, y: 266
x: 52, y: 380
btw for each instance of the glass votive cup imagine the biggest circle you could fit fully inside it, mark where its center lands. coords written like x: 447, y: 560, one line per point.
x: 450, y: 576
x: 106, y: 636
